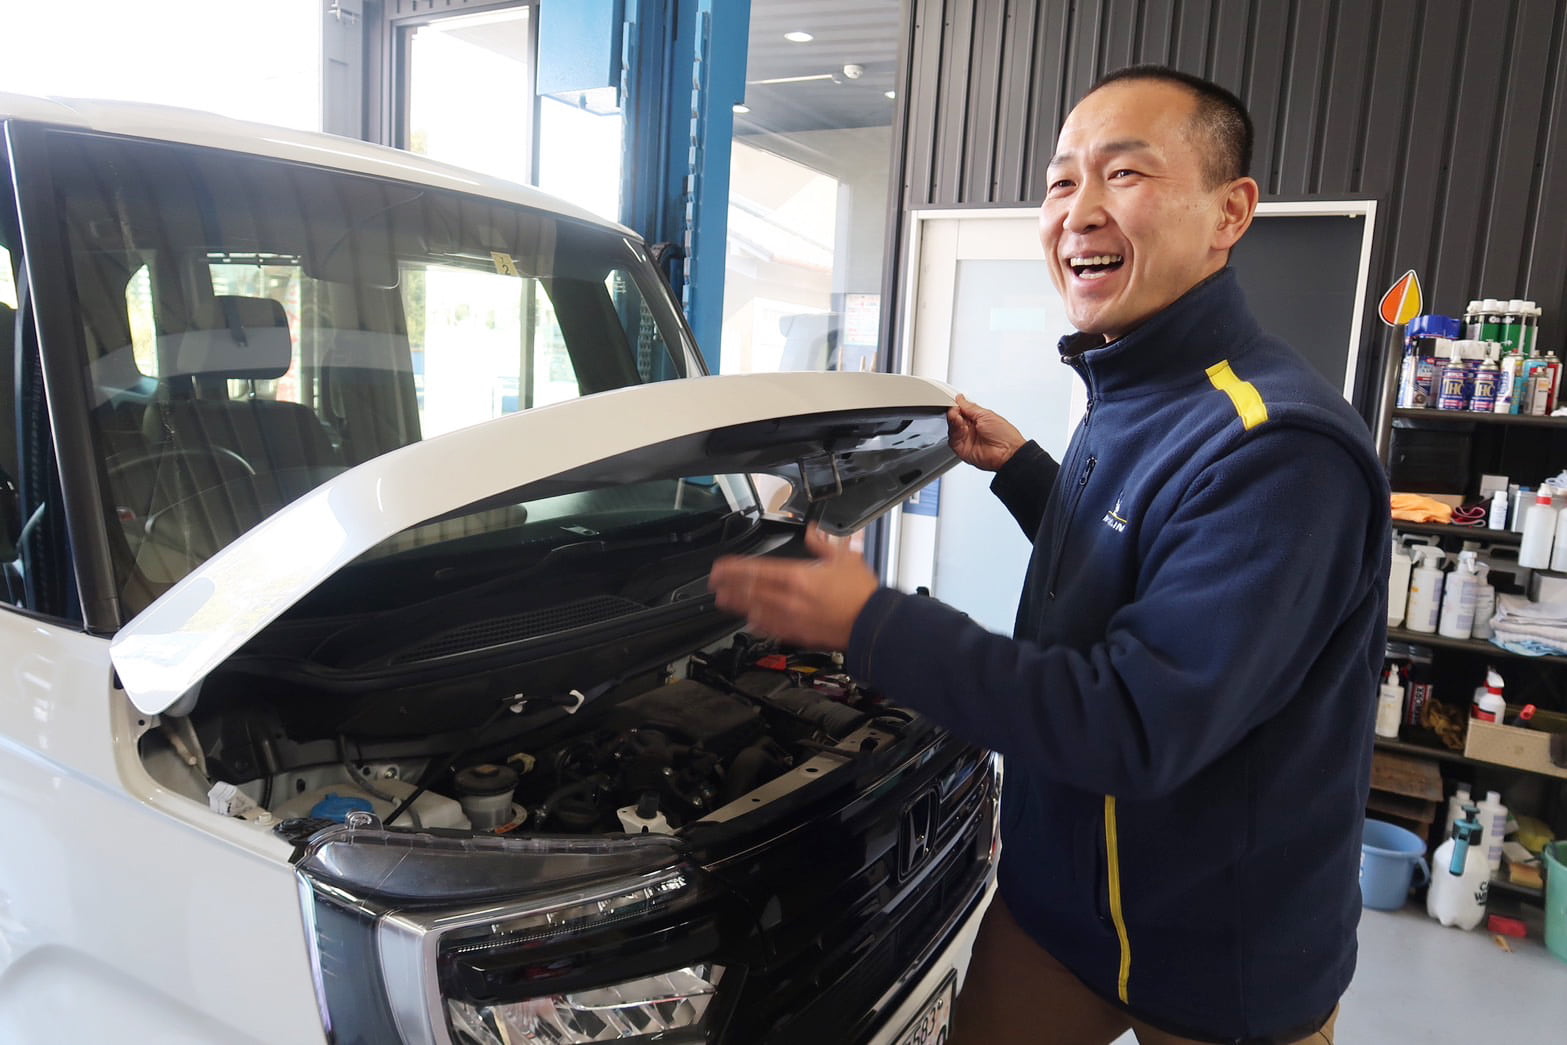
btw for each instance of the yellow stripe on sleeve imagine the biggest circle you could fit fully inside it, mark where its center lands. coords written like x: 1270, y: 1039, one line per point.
x: 1113, y: 860
x: 1243, y: 394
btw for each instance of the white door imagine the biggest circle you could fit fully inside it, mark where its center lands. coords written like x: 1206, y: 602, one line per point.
x: 986, y: 319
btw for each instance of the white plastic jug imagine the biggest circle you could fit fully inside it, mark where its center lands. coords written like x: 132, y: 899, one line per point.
x: 1460, y: 877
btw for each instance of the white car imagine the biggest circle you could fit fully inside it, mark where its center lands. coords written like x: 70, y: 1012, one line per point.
x: 361, y: 680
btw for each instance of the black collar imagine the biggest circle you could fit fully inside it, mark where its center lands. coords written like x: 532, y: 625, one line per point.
x: 1207, y: 324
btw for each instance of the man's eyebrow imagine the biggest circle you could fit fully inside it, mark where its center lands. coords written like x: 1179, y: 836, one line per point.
x: 1115, y: 148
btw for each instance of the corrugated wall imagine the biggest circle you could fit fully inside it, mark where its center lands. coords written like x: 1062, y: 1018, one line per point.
x: 1452, y: 114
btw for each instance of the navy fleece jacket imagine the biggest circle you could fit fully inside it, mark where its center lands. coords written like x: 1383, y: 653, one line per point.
x: 1186, y: 706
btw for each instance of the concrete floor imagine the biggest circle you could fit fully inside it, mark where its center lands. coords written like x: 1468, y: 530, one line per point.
x: 1418, y: 982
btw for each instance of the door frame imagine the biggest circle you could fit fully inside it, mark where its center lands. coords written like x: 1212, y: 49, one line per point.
x: 898, y: 571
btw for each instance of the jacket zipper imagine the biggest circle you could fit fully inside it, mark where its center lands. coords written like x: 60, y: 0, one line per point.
x: 1059, y: 543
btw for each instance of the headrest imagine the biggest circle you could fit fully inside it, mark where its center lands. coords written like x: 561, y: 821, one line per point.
x: 235, y: 337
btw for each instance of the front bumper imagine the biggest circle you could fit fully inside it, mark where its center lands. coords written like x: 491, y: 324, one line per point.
x: 952, y: 953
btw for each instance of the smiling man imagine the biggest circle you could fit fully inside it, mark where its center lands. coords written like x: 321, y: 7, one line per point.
x: 1185, y: 704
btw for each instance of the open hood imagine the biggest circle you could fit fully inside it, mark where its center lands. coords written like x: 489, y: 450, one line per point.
x: 854, y: 445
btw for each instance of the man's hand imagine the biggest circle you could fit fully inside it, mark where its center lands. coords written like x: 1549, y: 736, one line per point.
x: 981, y: 437
x: 804, y: 602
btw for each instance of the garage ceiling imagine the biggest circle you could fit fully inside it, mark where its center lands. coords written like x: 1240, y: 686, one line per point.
x: 802, y: 86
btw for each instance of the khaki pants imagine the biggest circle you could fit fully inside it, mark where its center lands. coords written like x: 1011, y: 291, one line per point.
x: 1017, y: 994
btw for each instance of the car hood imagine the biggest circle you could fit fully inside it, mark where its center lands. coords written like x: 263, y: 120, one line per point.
x: 856, y: 444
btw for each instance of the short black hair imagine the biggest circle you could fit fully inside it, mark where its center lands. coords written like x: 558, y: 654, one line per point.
x: 1221, y: 119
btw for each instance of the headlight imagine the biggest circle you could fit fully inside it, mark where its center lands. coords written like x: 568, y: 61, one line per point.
x: 584, y: 941
x: 629, y: 1011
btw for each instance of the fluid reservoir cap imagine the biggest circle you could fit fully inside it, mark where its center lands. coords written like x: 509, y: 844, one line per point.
x: 337, y: 807
x: 486, y: 779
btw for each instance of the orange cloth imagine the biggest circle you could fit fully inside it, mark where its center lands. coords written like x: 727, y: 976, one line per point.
x: 1412, y: 507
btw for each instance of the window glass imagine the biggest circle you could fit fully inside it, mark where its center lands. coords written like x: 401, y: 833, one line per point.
x: 251, y: 61
x: 253, y: 328
x: 470, y: 92
x: 810, y: 167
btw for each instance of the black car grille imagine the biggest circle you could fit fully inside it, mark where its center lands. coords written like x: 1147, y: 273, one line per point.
x: 825, y: 992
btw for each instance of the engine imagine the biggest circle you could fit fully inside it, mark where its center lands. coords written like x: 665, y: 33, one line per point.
x: 663, y: 758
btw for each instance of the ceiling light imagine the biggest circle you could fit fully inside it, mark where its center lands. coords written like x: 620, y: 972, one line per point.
x: 891, y: 94
x: 798, y: 37
x: 742, y: 108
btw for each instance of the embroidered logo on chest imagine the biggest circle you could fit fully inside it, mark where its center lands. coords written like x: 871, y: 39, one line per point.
x: 1113, y: 518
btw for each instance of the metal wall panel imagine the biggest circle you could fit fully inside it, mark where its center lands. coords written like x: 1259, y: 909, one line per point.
x: 1452, y: 114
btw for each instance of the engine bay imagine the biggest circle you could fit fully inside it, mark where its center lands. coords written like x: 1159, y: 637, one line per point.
x: 650, y: 757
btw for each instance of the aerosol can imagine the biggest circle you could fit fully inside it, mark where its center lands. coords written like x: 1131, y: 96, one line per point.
x: 1460, y: 876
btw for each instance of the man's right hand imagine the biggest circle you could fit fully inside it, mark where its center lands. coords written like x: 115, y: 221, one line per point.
x: 981, y: 437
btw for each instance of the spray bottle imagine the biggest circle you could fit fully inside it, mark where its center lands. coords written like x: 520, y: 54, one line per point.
x: 1390, y: 705
x: 1457, y: 616
x: 1398, y: 583
x: 1485, y: 604
x: 1425, y: 589
x: 1460, y: 878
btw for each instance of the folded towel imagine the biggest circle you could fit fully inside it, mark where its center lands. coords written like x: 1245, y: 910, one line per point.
x: 1412, y: 507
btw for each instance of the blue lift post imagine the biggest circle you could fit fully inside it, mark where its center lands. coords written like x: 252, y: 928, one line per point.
x: 684, y: 73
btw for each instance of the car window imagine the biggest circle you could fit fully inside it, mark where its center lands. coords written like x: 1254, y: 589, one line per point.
x: 252, y: 327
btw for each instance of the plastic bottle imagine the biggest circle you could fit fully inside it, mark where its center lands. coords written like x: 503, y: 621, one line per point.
x: 1455, y: 808
x: 1497, y: 519
x: 1460, y: 877
x: 1457, y: 618
x: 1493, y: 827
x: 1398, y: 584
x: 1539, y: 532
x: 1425, y: 589
x: 1523, y: 500
x: 1489, y: 705
x: 1390, y: 705
x: 1485, y: 606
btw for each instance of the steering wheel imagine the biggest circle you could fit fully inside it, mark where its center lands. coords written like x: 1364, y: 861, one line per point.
x: 165, y: 497
x: 221, y: 456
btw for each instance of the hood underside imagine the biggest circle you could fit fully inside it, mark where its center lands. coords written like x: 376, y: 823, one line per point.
x: 853, y: 445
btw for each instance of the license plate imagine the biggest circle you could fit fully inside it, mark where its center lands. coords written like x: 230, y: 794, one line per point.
x: 934, y: 1021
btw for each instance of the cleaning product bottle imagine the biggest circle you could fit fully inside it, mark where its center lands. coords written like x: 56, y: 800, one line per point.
x: 1559, y: 548
x: 1497, y: 518
x: 1485, y: 604
x: 1460, y: 879
x: 1458, y: 600
x: 1398, y: 583
x: 1425, y: 589
x: 1539, y: 532
x: 1489, y: 705
x: 1493, y: 827
x: 1390, y: 705
x: 1455, y: 808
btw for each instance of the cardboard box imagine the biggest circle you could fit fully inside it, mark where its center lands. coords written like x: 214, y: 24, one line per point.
x: 1516, y: 746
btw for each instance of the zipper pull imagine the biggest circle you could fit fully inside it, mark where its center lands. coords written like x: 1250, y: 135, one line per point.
x: 1088, y: 469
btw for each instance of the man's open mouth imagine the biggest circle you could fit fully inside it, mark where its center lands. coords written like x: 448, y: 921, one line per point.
x: 1094, y: 266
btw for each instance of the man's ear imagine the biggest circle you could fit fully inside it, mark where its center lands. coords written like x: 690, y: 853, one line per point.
x: 1237, y: 208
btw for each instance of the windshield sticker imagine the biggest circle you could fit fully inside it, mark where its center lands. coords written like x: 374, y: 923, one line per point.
x: 505, y: 264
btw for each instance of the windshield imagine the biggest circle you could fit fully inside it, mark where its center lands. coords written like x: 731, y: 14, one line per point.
x: 253, y: 327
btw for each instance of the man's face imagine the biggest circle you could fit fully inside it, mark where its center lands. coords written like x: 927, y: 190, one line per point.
x: 1129, y: 223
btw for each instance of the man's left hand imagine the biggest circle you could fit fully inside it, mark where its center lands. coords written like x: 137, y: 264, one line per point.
x: 804, y: 602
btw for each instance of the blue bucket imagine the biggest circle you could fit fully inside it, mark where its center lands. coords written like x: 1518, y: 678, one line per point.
x: 1388, y: 858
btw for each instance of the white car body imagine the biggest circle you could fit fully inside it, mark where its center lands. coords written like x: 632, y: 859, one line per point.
x: 131, y: 910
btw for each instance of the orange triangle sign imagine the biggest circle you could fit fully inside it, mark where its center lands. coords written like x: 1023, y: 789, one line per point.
x: 1402, y: 301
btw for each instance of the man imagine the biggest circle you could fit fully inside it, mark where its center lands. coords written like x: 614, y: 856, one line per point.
x: 1186, y: 705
